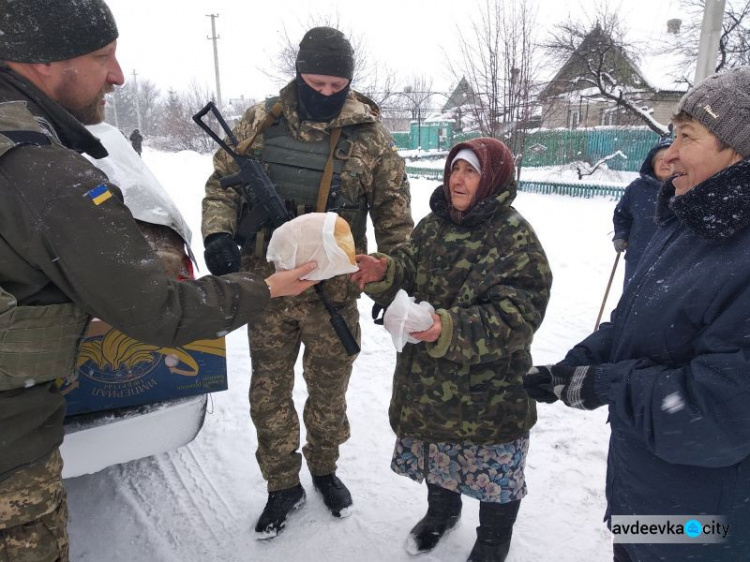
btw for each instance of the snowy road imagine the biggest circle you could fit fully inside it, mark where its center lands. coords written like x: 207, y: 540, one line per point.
x: 200, y: 503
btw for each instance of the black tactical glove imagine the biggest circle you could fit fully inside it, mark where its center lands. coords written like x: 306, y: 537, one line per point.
x: 573, y: 385
x: 620, y: 244
x: 221, y: 253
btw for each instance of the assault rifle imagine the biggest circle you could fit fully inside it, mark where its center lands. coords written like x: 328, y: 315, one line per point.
x: 258, y: 190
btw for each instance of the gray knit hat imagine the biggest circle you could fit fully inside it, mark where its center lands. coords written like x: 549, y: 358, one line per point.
x: 721, y: 103
x: 325, y: 50
x: 34, y: 31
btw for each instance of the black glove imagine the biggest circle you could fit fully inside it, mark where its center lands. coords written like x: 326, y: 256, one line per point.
x: 539, y: 383
x: 620, y: 244
x: 221, y: 253
x: 573, y: 385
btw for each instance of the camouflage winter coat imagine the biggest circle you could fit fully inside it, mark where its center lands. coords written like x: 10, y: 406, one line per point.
x: 372, y: 177
x: 489, y: 282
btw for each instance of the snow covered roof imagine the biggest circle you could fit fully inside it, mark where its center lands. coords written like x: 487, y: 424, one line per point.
x: 662, y: 71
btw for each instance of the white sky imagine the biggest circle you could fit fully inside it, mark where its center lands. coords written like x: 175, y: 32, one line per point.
x: 166, y: 41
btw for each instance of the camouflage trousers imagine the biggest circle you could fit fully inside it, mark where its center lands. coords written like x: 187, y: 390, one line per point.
x: 274, y: 346
x: 34, y: 514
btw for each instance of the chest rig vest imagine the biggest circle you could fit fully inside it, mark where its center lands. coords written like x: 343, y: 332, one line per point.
x: 37, y: 343
x: 306, y: 174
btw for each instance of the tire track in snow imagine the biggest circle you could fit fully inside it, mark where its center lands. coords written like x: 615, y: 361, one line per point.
x: 187, y: 523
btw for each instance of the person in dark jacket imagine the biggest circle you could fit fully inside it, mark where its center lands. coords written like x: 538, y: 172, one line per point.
x: 673, y: 364
x: 458, y: 408
x: 136, y: 140
x: 635, y: 215
x: 69, y: 250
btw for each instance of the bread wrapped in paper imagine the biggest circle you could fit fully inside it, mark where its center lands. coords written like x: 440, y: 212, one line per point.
x: 324, y: 238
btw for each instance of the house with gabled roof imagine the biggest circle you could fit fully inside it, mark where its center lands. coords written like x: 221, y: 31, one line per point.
x: 572, y: 98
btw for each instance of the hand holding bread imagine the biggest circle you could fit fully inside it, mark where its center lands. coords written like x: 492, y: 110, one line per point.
x: 324, y: 238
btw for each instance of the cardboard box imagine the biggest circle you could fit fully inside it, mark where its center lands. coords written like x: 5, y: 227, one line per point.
x: 113, y: 370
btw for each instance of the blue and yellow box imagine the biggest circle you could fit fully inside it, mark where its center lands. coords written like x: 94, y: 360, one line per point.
x: 113, y: 371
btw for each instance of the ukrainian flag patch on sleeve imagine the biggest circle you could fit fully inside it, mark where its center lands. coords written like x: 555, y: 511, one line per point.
x: 99, y: 194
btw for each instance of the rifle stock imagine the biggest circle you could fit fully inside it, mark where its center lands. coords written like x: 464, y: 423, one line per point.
x: 258, y: 190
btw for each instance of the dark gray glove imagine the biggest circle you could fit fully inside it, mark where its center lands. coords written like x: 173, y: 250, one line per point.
x: 221, y: 253
x: 620, y: 244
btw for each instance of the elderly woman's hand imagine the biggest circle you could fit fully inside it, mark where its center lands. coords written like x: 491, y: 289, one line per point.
x: 370, y: 270
x: 432, y: 333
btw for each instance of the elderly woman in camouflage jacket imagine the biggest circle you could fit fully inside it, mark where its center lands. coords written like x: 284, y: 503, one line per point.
x: 458, y: 407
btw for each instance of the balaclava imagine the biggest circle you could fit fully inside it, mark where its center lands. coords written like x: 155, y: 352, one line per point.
x: 324, y: 51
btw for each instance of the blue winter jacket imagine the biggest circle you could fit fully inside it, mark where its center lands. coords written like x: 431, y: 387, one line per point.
x: 634, y: 218
x: 674, y: 366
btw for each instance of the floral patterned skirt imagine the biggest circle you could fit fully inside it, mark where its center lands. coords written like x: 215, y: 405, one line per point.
x: 489, y: 473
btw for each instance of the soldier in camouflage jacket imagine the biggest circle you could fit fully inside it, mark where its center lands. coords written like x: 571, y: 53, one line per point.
x: 371, y: 178
x: 458, y: 407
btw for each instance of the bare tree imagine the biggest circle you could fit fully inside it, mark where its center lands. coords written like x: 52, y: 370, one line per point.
x: 177, y: 129
x: 497, y: 60
x: 585, y: 169
x: 122, y: 101
x: 734, y: 43
x: 599, y: 56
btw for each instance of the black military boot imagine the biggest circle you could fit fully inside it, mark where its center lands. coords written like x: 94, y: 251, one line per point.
x: 279, y: 505
x: 494, y: 532
x: 336, y: 496
x: 443, y: 512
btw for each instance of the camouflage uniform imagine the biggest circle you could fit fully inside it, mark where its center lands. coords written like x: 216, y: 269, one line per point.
x: 56, y: 272
x: 33, y: 515
x: 373, y: 178
x: 489, y: 281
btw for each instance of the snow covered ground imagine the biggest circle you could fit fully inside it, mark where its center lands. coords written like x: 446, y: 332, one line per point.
x: 200, y: 503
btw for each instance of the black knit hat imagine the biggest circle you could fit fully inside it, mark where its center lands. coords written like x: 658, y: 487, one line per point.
x: 33, y: 31
x: 324, y: 50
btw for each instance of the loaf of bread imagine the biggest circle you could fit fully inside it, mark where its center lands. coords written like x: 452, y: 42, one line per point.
x: 343, y: 235
x: 324, y: 238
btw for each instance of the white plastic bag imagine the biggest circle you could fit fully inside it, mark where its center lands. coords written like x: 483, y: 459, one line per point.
x: 404, y: 316
x: 307, y: 238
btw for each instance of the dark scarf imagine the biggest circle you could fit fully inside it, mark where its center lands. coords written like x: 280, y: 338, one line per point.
x: 716, y: 209
x: 314, y: 106
x: 69, y: 130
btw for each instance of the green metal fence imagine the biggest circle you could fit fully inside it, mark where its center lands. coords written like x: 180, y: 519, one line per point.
x: 574, y: 189
x: 578, y: 189
x: 561, y: 146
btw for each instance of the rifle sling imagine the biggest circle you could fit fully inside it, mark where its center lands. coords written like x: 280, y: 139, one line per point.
x: 273, y: 114
x: 325, y: 181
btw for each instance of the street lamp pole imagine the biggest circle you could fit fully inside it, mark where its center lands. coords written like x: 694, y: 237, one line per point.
x: 713, y: 14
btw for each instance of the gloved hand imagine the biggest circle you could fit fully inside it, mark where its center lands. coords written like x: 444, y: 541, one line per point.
x: 573, y: 385
x: 620, y: 244
x: 539, y: 383
x: 221, y: 253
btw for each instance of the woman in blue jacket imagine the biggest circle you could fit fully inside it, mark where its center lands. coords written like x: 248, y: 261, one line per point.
x: 673, y: 364
x: 635, y: 214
